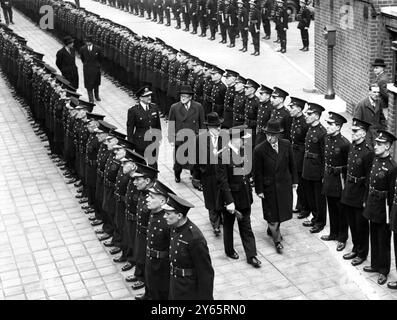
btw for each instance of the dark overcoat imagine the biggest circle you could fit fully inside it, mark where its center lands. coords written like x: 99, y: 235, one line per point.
x: 91, y: 66
x: 274, y: 175
x: 66, y: 63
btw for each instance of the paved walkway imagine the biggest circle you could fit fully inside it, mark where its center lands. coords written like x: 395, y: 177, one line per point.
x: 49, y: 250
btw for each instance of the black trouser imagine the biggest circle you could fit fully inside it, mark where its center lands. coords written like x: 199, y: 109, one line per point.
x: 274, y: 228
x: 178, y: 19
x: 255, y: 40
x: 186, y: 20
x: 305, y: 37
x: 283, y: 39
x: 177, y: 166
x: 129, y: 233
x: 232, y: 34
x: 119, y: 225
x: 301, y: 203
x: 154, y: 9
x: 380, y: 247
x: 215, y: 218
x: 195, y: 22
x: 246, y: 234
x: 168, y: 16
x: 244, y: 37
x: 317, y: 202
x: 7, y: 12
x: 359, y: 229
x: 213, y: 24
x: 337, y: 219
x: 203, y: 25
x: 160, y: 12
x: 266, y: 26
x: 223, y: 31
x: 91, y: 195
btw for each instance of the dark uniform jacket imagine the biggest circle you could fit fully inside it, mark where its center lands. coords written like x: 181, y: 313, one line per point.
x: 381, y: 189
x: 218, y: 97
x: 91, y: 66
x: 239, y: 108
x: 242, y: 19
x: 304, y: 18
x: 157, y: 265
x: 281, y: 18
x: 313, y: 162
x: 274, y: 175
x: 110, y: 173
x: 66, y: 62
x: 335, y: 158
x: 228, y: 107
x: 141, y: 227
x: 139, y: 121
x: 299, y: 130
x: 251, y: 112
x: 233, y: 182
x: 285, y: 118
x: 358, y: 169
x: 189, y: 252
x: 264, y: 112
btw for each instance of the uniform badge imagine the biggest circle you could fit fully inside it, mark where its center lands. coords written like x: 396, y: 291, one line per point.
x: 299, y: 130
x: 315, y: 140
x: 382, y: 174
x: 359, y: 161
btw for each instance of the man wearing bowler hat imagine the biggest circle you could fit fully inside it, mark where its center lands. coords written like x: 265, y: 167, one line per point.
x: 235, y: 194
x: 191, y: 272
x: 335, y: 158
x: 354, y: 194
x: 184, y: 115
x: 144, y: 119
x: 208, y: 146
x: 66, y: 62
x: 275, y: 176
x: 91, y: 57
x: 378, y: 203
x: 382, y: 80
x: 313, y: 168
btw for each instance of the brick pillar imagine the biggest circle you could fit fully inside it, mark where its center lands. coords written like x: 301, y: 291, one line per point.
x: 391, y: 121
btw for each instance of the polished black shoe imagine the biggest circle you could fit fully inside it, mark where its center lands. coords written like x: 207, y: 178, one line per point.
x: 382, y: 279
x: 83, y: 200
x: 92, y: 218
x: 328, y: 237
x: 296, y: 210
x: 315, y: 229
x: 104, y: 237
x: 120, y: 260
x: 109, y: 243
x: 277, y: 41
x: 138, y: 285
x: 350, y: 255
x: 392, y: 285
x: 99, y: 231
x: 85, y: 207
x: 283, y: 51
x: 80, y: 190
x: 177, y: 178
x: 254, y: 262
x: 279, y: 247
x: 127, y: 266
x: 78, y: 184
x: 79, y: 196
x: 90, y: 210
x: 217, y: 232
x: 308, y: 223
x: 234, y: 255
x: 303, y: 214
x: 131, y: 278
x: 256, y: 53
x: 115, y: 250
x: 231, y: 46
x: 306, y: 49
x: 73, y: 180
x: 245, y: 50
x: 357, y: 261
x: 142, y: 296
x: 303, y: 48
x: 340, y: 246
x: 369, y: 269
x: 267, y: 37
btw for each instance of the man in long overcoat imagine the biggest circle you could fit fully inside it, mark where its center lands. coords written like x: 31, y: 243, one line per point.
x: 275, y: 175
x: 185, y: 114
x: 66, y: 62
x: 91, y: 57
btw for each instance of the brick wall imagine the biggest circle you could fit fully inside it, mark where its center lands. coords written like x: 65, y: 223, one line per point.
x: 358, y: 42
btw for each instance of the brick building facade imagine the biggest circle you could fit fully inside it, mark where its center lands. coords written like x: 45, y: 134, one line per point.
x: 364, y: 32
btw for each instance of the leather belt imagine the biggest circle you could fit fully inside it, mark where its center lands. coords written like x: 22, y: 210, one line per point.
x: 311, y: 155
x: 354, y: 179
x: 156, y: 254
x: 181, y: 273
x: 377, y: 193
x: 333, y: 170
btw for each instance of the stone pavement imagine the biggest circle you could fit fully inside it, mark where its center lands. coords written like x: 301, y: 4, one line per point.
x: 49, y: 250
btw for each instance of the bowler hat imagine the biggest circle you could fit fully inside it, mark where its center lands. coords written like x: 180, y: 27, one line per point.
x: 213, y: 120
x: 273, y: 126
x: 185, y: 89
x: 67, y: 40
x: 379, y: 63
x: 88, y: 38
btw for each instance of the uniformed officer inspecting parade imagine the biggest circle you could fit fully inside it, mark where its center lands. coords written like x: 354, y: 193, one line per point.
x: 335, y: 159
x: 313, y: 168
x: 275, y: 175
x: 356, y: 189
x: 66, y: 62
x: 378, y: 204
x: 91, y: 57
x: 304, y: 17
x: 235, y: 194
x: 191, y: 272
x: 144, y: 127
